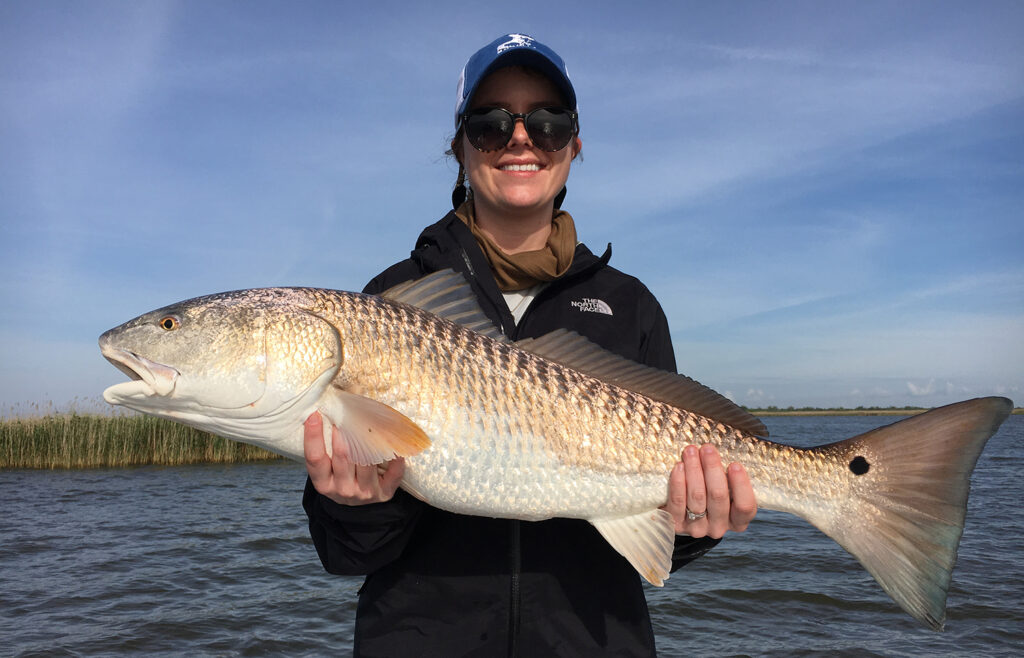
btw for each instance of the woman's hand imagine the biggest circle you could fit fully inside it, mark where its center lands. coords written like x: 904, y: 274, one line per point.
x: 722, y: 499
x: 338, y: 478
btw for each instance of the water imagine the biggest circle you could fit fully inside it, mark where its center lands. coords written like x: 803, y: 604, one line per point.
x: 215, y: 560
x: 784, y: 589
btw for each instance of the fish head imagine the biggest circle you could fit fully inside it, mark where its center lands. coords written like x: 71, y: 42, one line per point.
x: 215, y: 361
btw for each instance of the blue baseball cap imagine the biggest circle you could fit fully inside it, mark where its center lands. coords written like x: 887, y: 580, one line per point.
x: 512, y: 50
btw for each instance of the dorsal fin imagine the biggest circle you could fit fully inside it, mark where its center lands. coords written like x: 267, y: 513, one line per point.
x: 448, y: 295
x: 577, y: 352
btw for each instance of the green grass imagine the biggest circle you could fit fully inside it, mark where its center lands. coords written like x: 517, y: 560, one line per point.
x: 53, y: 440
x: 73, y: 440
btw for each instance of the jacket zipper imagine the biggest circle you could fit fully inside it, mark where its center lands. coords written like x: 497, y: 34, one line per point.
x: 515, y: 548
x: 514, y: 557
x: 513, y: 609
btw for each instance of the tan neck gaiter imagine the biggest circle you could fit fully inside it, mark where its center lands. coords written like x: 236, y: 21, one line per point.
x: 528, y: 268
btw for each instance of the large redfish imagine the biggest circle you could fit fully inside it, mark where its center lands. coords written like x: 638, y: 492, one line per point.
x: 550, y: 427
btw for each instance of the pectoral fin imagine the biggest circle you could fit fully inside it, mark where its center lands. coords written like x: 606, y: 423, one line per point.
x: 646, y: 540
x: 372, y: 431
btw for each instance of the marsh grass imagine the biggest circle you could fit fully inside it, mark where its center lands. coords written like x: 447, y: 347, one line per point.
x: 73, y: 440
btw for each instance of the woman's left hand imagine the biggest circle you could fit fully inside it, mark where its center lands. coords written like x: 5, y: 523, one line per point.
x: 699, y: 484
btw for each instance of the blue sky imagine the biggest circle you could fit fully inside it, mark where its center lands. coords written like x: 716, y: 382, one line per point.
x: 827, y: 198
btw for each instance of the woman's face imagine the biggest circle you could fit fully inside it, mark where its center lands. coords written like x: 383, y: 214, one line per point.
x: 518, y: 178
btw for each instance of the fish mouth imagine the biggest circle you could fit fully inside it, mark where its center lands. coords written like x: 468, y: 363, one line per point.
x: 148, y: 378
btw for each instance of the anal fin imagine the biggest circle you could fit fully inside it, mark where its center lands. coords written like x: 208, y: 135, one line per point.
x: 646, y: 540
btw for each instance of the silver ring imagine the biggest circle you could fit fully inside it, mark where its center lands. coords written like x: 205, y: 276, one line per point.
x: 690, y: 516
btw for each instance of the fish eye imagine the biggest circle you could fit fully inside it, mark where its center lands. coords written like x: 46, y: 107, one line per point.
x: 169, y: 323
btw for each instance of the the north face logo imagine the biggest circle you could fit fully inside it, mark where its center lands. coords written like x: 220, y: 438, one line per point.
x: 592, y: 305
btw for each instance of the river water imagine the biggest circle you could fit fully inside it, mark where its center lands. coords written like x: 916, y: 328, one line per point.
x: 215, y: 560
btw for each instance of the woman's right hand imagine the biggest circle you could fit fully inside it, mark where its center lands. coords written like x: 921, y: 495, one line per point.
x: 338, y: 478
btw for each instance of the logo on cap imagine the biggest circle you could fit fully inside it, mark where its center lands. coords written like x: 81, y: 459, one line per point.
x: 516, y: 41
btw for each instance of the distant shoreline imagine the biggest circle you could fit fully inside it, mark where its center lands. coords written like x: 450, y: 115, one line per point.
x: 906, y: 411
x: 71, y: 440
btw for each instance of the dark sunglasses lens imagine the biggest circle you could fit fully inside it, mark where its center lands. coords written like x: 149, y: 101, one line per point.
x: 489, y: 131
x: 550, y: 129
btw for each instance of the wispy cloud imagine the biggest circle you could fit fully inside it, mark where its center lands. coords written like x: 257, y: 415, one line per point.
x: 717, y: 115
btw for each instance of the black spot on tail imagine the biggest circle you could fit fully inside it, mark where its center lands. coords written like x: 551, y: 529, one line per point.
x: 859, y: 465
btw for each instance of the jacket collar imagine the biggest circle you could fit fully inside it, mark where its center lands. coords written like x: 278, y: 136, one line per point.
x: 449, y: 243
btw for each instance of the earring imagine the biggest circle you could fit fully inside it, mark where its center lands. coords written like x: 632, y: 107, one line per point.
x: 459, y: 193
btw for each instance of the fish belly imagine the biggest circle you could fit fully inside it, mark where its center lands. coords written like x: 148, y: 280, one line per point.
x: 514, y: 477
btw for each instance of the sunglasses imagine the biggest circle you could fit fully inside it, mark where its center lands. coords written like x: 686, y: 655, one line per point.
x: 550, y: 128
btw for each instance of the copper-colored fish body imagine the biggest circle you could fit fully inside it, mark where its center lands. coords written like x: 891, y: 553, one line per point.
x: 542, y: 428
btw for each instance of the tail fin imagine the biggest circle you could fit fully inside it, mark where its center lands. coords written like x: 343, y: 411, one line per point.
x: 911, y: 481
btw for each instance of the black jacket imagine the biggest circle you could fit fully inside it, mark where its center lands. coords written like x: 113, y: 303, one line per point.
x: 443, y: 584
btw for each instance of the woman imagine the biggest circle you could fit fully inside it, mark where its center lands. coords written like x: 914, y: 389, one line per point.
x: 447, y: 584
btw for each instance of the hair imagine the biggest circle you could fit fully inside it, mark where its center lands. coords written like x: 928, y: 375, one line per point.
x: 455, y: 146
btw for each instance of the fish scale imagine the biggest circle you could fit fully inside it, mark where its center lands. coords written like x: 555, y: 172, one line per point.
x: 506, y: 408
x: 553, y: 426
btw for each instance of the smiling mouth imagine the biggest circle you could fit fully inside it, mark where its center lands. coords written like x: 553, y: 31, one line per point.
x: 520, y: 167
